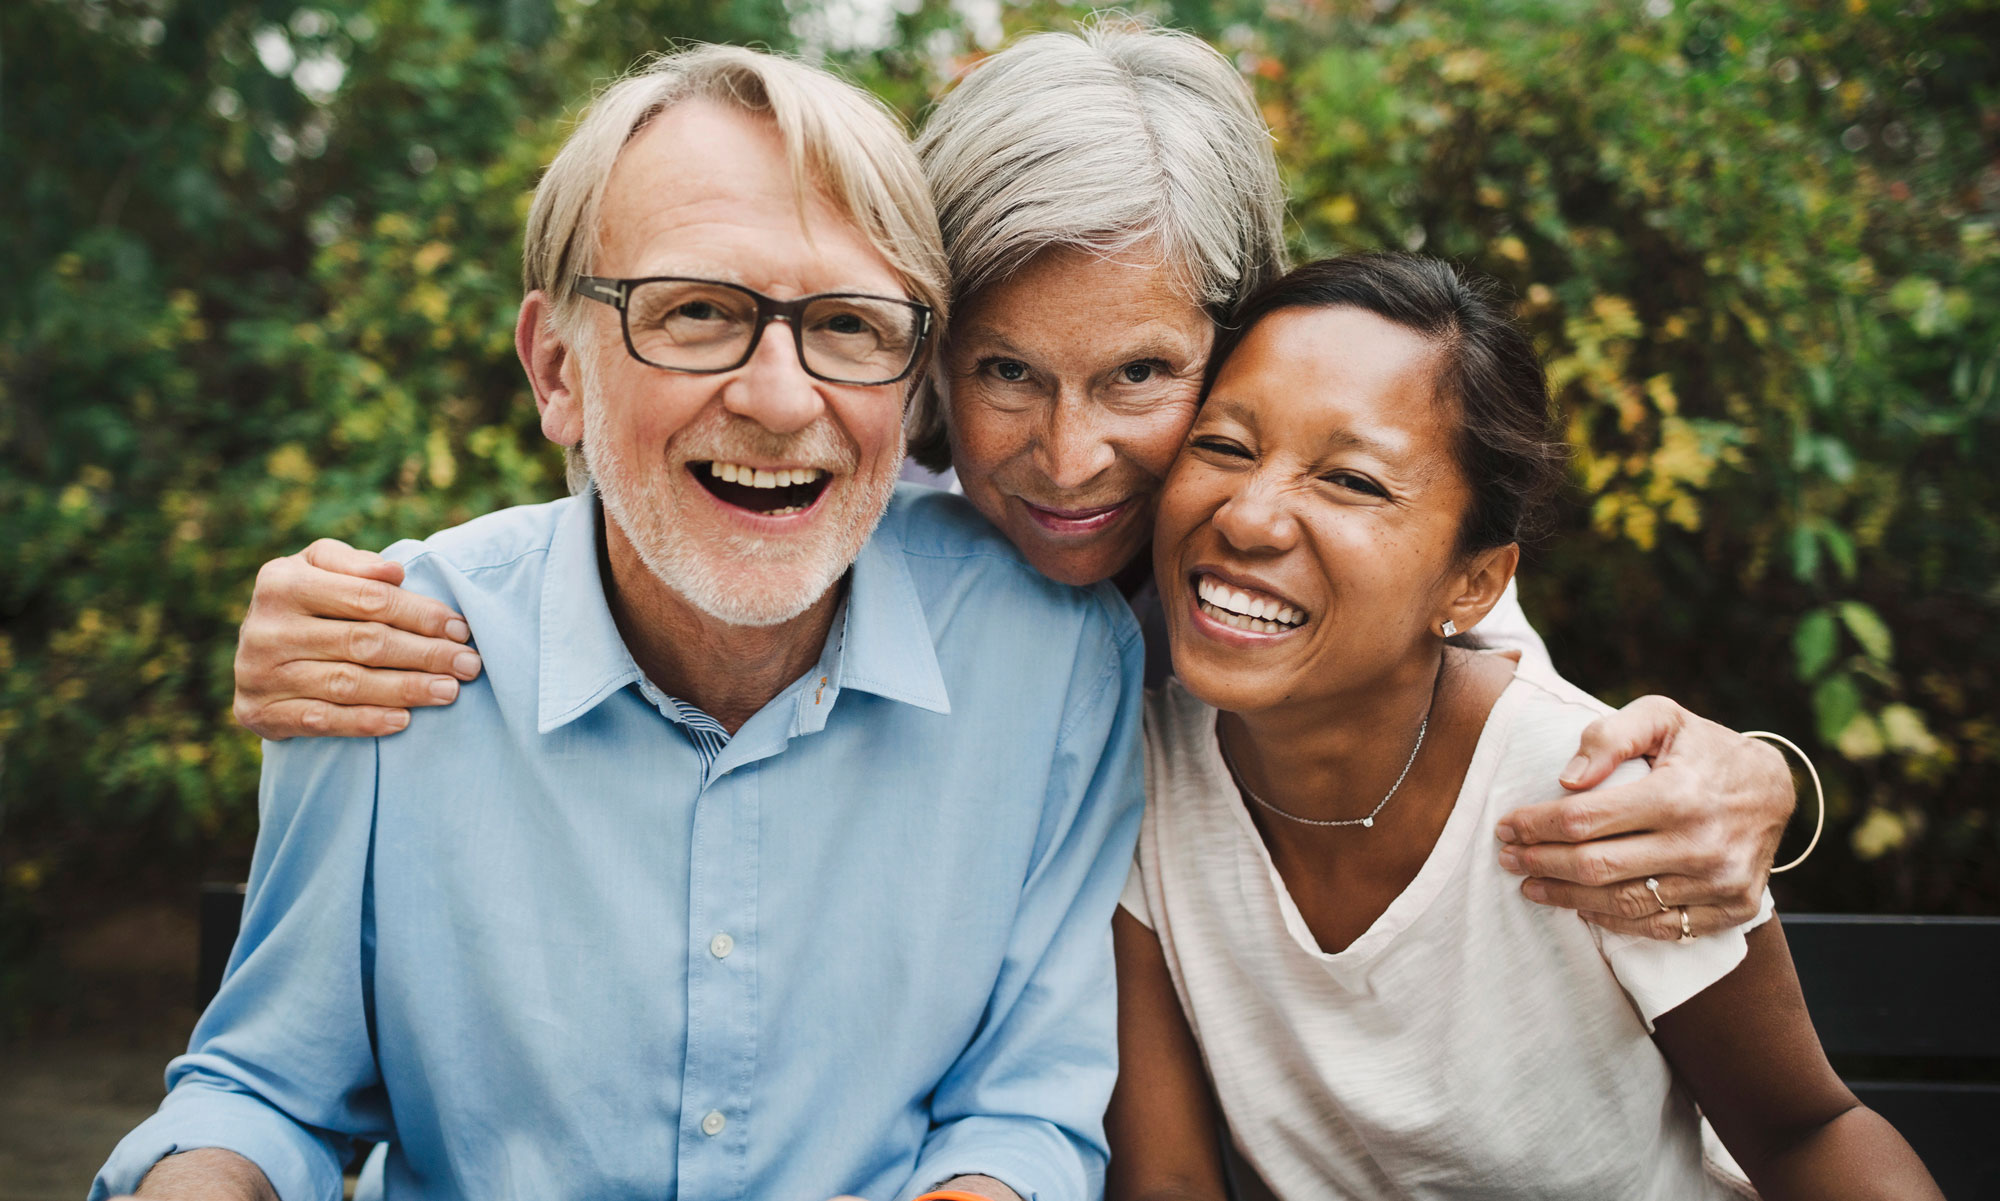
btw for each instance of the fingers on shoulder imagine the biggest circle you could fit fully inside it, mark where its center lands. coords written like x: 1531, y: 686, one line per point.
x: 1644, y: 727
x: 296, y: 718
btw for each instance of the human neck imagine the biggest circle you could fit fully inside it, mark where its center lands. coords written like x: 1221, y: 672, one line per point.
x: 1333, y: 758
x: 727, y: 671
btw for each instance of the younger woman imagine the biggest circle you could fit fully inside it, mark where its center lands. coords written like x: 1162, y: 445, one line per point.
x: 1318, y: 939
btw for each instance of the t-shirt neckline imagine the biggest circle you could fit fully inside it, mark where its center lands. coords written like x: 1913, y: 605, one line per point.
x: 1440, y: 866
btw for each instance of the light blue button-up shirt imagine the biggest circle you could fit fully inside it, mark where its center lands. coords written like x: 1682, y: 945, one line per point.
x: 540, y: 945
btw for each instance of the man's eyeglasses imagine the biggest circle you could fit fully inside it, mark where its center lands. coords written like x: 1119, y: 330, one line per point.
x: 705, y: 326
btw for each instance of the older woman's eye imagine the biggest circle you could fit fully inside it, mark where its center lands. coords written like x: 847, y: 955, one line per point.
x: 1137, y: 373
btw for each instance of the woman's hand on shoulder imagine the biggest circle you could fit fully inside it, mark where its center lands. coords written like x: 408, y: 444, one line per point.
x: 331, y: 645
x: 1704, y: 825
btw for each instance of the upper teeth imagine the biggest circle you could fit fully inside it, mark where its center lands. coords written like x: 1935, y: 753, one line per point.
x: 1242, y: 604
x: 760, y: 477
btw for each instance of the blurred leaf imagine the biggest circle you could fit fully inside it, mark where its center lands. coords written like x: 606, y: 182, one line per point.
x: 1814, y: 643
x: 1868, y: 630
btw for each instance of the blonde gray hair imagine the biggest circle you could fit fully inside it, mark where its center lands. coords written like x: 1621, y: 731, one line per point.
x: 842, y: 143
x: 1116, y: 138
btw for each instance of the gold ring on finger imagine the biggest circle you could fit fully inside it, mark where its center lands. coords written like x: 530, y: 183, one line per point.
x: 1687, y: 927
x: 1653, y: 886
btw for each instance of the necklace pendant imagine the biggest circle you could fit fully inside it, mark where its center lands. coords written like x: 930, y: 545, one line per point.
x: 1368, y: 822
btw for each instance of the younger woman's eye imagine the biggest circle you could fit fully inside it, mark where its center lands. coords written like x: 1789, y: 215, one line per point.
x: 1356, y: 483
x: 1220, y: 446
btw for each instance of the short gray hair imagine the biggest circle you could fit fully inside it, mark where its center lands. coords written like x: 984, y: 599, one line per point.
x: 841, y: 142
x: 1108, y: 139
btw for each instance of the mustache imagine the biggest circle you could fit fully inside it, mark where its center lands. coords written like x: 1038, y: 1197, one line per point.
x: 725, y: 437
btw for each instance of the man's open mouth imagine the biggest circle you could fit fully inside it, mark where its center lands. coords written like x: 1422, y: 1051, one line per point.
x: 766, y: 491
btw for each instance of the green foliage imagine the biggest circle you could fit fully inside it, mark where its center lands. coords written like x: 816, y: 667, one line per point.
x: 263, y: 265
x: 1758, y: 244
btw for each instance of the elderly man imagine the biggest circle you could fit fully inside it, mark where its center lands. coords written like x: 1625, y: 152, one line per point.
x: 767, y: 859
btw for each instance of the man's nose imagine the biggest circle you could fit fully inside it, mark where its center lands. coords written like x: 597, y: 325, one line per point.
x: 773, y: 389
x: 1257, y: 518
x: 1072, y: 449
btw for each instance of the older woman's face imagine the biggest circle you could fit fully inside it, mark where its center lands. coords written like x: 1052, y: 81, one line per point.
x: 1073, y: 383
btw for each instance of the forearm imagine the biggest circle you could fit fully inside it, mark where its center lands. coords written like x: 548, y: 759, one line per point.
x: 1857, y: 1156
x: 207, y: 1174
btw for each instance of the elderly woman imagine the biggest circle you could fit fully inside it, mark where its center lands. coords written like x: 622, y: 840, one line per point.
x: 1106, y: 199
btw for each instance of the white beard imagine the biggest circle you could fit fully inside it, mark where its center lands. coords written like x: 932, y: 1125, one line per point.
x: 737, y: 579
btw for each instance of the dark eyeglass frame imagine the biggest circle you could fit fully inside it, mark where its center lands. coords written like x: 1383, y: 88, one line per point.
x: 616, y: 293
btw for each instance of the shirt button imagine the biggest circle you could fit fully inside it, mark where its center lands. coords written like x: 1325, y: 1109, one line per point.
x: 720, y: 946
x: 712, y: 1124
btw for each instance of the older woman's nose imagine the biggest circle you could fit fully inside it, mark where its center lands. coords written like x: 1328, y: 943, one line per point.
x: 1256, y: 519
x: 1072, y: 450
x: 773, y: 389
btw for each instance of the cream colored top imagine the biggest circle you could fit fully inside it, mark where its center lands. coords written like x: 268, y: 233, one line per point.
x: 1471, y: 1043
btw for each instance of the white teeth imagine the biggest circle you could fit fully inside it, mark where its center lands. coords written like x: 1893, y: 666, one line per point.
x: 754, y: 477
x: 1239, y: 610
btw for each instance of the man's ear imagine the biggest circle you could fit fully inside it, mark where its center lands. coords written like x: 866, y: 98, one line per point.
x: 552, y: 375
x: 1478, y: 587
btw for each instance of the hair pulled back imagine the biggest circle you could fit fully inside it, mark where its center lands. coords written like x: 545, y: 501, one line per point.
x: 1508, y: 446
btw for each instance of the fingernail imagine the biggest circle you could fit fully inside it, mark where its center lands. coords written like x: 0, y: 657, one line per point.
x: 1506, y: 833
x: 1535, y: 891
x: 398, y: 718
x: 1574, y: 771
x: 466, y: 664
x: 444, y: 690
x: 1511, y: 861
x: 457, y: 630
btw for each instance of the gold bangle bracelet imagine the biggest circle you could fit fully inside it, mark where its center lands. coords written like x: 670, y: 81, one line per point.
x: 1819, y: 793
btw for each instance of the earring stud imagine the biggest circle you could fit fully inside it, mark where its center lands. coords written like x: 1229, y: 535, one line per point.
x: 1450, y: 628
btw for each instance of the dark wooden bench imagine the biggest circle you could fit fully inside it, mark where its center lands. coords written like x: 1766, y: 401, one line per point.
x: 1908, y: 1009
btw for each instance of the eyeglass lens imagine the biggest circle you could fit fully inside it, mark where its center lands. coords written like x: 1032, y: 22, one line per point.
x: 698, y: 326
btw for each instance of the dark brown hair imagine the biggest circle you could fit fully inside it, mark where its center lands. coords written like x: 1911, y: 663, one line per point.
x: 1508, y: 445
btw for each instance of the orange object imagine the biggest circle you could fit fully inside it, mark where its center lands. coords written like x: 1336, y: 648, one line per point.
x: 953, y: 1194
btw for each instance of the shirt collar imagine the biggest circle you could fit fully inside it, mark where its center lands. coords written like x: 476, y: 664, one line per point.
x: 882, y: 645
x: 584, y: 658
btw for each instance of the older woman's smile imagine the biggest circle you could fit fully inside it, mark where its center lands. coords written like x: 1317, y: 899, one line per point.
x: 1076, y: 523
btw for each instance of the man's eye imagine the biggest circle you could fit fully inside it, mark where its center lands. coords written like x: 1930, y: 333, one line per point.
x: 697, y: 310
x: 1011, y: 370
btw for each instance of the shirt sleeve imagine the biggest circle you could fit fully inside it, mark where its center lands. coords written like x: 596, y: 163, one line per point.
x: 1659, y: 976
x: 1506, y: 628
x: 1133, y: 899
x: 1024, y: 1103
x: 281, y: 1066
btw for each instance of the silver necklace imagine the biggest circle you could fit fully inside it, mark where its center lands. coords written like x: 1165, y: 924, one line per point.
x: 1368, y: 821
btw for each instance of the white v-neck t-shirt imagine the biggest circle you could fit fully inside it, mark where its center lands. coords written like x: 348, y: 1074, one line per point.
x: 1471, y: 1043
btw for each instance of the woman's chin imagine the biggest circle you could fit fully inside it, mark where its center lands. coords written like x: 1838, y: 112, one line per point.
x: 1229, y: 687
x: 1079, y: 563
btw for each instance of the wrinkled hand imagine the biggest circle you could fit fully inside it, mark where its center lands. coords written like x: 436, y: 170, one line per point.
x: 1704, y: 822
x: 331, y: 645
